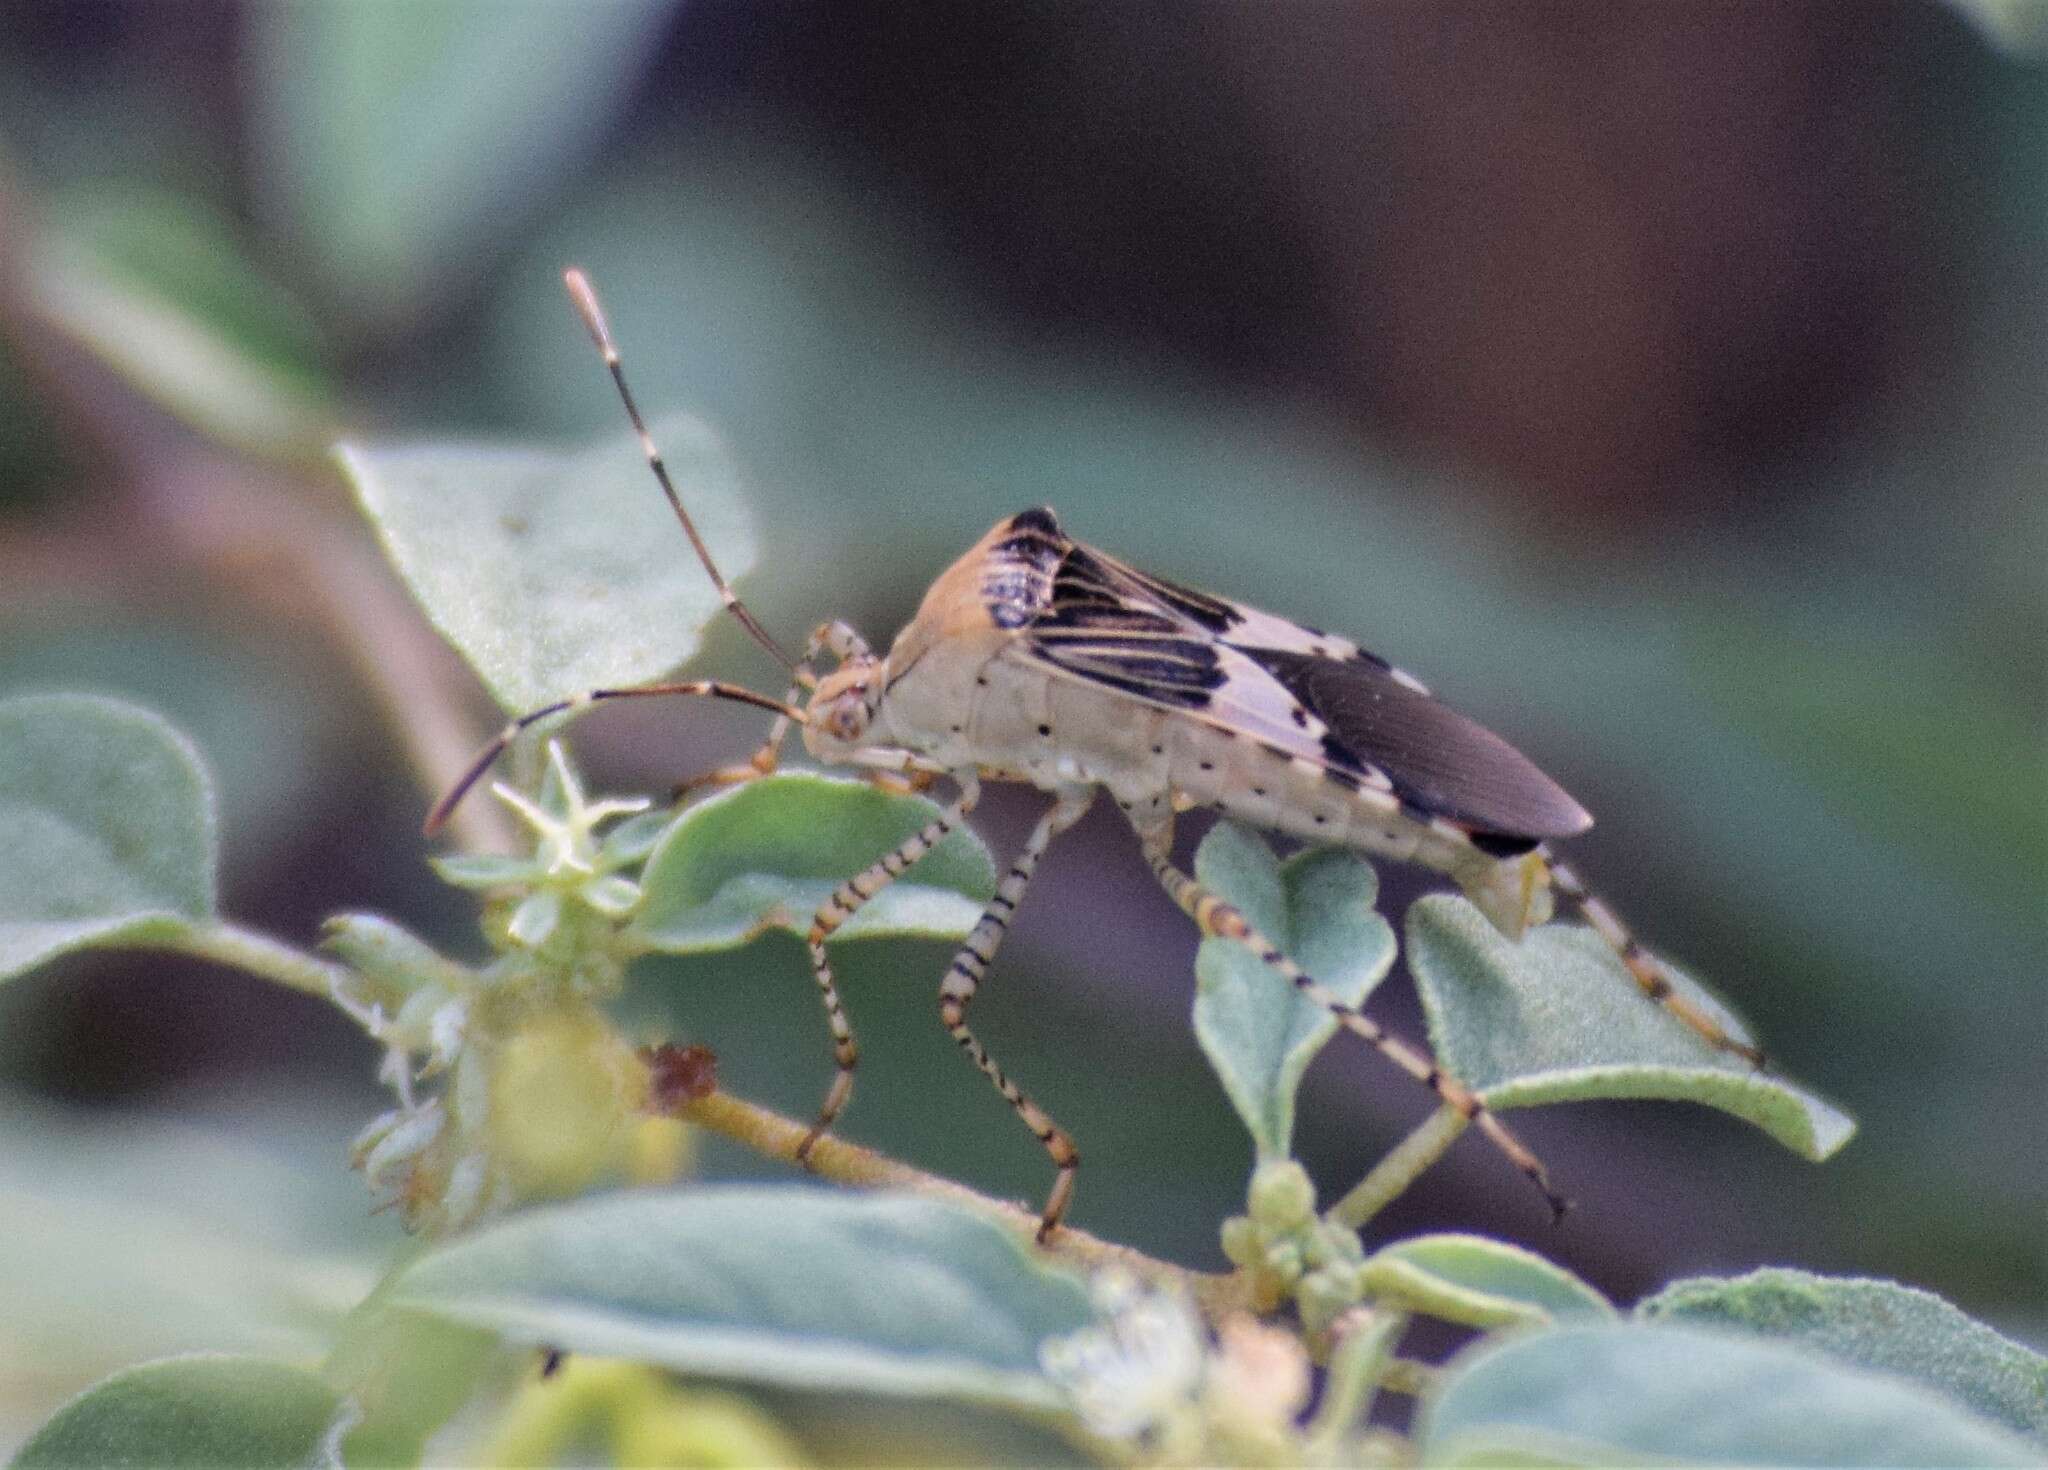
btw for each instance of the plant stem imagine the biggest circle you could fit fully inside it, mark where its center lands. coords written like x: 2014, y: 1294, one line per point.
x: 259, y: 954
x: 1394, y: 1173
x: 1365, y: 1345
x: 777, y: 1136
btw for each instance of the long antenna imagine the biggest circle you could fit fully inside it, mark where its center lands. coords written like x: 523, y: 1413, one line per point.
x: 593, y: 319
x: 715, y: 688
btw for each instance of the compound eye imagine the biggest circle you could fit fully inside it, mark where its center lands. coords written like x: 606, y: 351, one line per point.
x: 847, y: 720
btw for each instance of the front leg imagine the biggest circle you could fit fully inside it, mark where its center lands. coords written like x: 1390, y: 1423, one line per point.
x: 764, y: 760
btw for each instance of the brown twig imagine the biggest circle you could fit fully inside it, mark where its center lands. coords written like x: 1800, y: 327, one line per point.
x: 771, y: 1133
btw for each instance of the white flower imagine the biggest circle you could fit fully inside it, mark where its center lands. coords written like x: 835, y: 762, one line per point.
x: 1138, y: 1370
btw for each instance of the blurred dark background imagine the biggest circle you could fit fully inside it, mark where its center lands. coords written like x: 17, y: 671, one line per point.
x: 1664, y: 384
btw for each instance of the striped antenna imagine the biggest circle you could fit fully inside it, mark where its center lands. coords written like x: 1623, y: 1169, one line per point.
x: 585, y: 297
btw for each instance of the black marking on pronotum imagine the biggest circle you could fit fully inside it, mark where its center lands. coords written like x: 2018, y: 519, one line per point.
x: 1039, y: 518
x: 1008, y: 606
x: 1017, y: 582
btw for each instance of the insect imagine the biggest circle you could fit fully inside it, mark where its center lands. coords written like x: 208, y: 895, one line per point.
x: 1036, y: 658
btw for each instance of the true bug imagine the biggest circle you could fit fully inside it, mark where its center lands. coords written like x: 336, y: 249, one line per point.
x: 1036, y: 658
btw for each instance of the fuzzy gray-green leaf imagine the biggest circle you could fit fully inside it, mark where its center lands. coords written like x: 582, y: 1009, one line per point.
x: 1557, y: 1018
x: 162, y: 290
x: 402, y: 145
x: 794, y: 1285
x: 109, y: 828
x: 1875, y: 1324
x: 1635, y: 1394
x: 1260, y: 1034
x: 208, y: 1411
x: 765, y: 855
x: 1479, y: 1281
x: 556, y: 572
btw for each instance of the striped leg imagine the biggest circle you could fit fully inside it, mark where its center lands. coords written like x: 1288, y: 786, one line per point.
x: 1218, y: 919
x: 963, y: 978
x: 844, y: 903
x: 1648, y: 970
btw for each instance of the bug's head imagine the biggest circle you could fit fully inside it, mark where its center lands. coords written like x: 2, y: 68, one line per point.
x: 843, y: 702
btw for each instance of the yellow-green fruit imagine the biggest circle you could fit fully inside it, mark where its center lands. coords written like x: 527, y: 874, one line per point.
x: 565, y: 1092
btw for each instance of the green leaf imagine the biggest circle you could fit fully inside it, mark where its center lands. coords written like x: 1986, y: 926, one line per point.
x: 2018, y: 27
x: 162, y: 290
x: 553, y: 573
x: 1479, y: 1282
x: 406, y: 1375
x: 1633, y: 1394
x: 109, y: 826
x: 1260, y: 1034
x: 407, y: 140
x: 767, y: 854
x: 1875, y: 1324
x: 1557, y: 1018
x: 206, y: 1411
x: 799, y: 1286
x: 126, y: 1236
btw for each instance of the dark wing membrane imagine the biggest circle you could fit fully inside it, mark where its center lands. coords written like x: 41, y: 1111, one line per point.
x: 1441, y: 764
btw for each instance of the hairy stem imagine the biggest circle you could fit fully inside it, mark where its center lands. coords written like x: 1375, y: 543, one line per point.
x: 1365, y: 1345
x: 1394, y: 1173
x: 259, y: 954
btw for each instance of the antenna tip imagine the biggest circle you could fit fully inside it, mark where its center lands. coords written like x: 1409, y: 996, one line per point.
x: 585, y: 296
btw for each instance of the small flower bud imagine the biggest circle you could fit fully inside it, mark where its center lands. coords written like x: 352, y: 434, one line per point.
x: 1281, y: 1196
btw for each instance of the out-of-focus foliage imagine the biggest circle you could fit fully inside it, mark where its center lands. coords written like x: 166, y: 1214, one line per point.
x: 1811, y: 726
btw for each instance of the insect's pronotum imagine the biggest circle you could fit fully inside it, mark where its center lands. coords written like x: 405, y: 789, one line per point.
x: 1038, y: 659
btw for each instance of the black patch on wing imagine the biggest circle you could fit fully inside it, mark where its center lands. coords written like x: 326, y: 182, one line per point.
x: 1441, y: 764
x: 1503, y: 845
x: 1088, y: 596
x: 1213, y: 613
x: 1092, y: 627
x: 1177, y: 671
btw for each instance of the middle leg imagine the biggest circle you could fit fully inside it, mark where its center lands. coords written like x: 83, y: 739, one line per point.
x: 1217, y: 918
x: 963, y: 978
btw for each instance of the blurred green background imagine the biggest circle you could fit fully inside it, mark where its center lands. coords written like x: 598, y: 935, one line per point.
x: 1663, y: 384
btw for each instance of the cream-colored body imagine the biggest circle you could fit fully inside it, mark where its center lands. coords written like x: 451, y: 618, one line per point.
x: 961, y: 693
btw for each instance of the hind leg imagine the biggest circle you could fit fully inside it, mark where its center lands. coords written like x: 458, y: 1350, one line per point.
x: 1219, y: 919
x: 1645, y: 968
